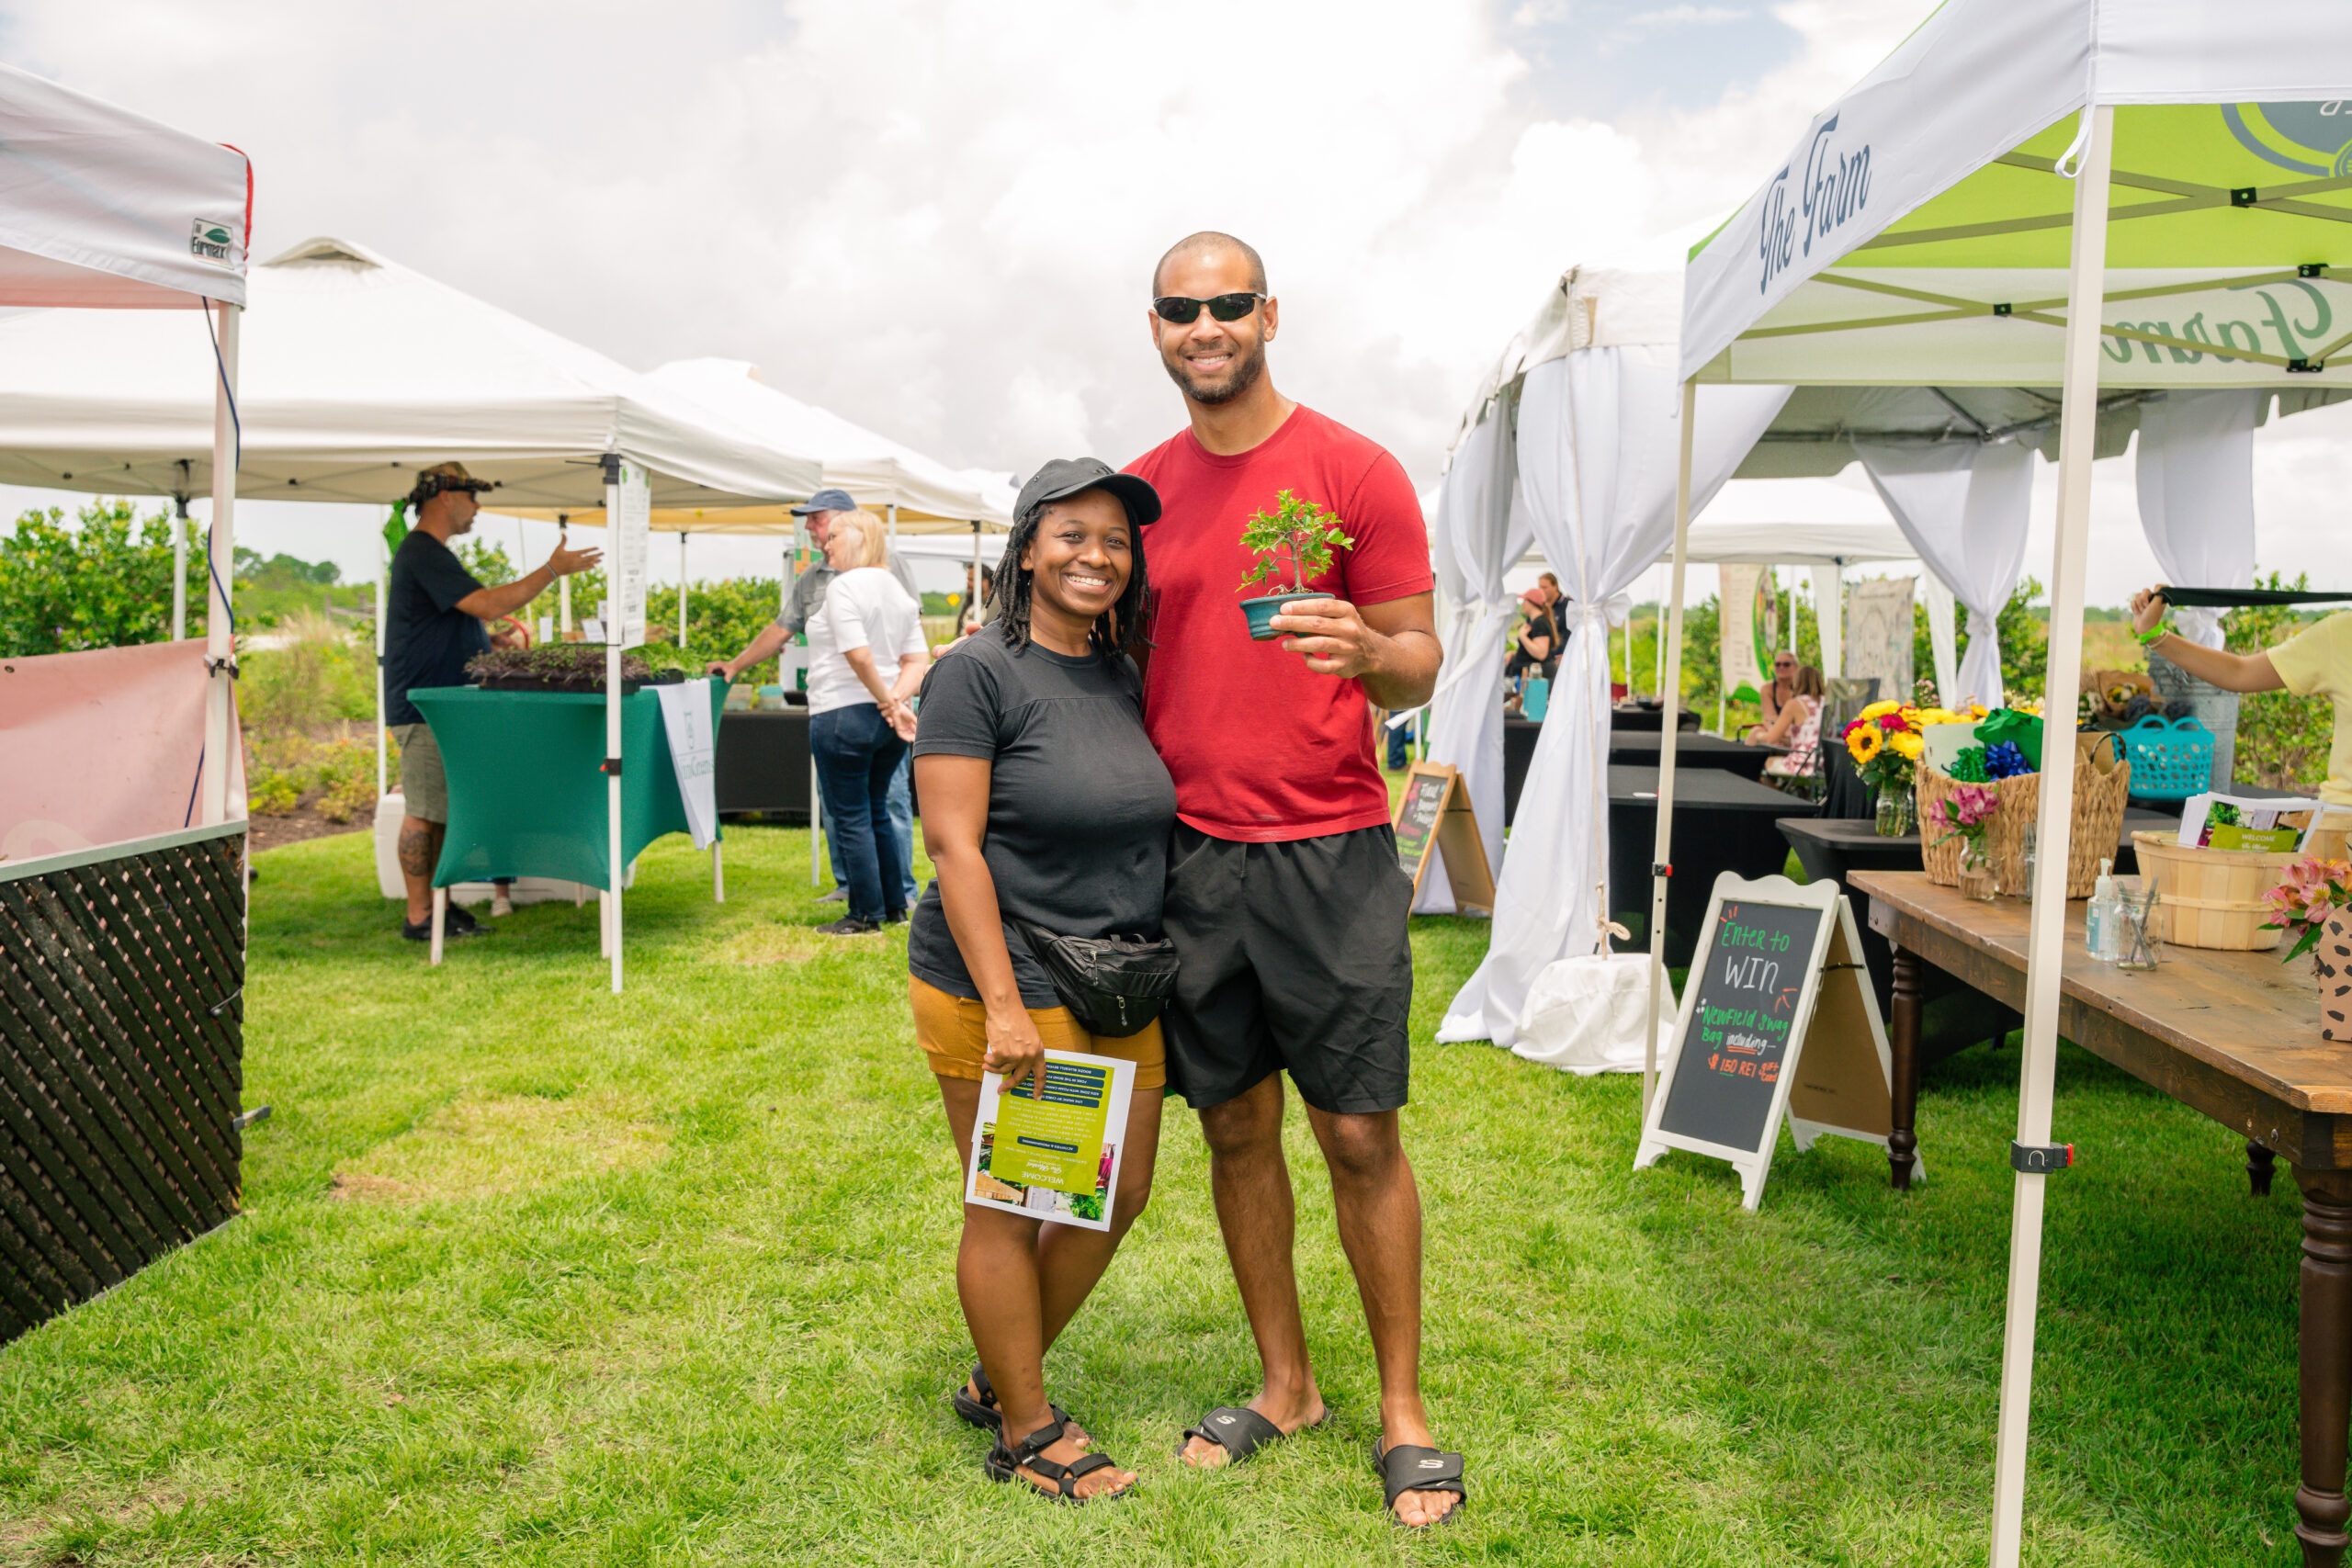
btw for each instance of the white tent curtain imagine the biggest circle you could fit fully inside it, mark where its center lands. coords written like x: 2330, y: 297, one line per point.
x: 1598, y: 435
x: 1943, y: 636
x: 1965, y: 506
x: 1828, y: 611
x: 1477, y: 533
x: 2196, y: 484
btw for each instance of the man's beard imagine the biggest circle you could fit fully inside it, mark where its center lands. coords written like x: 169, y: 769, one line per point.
x: 1246, y: 369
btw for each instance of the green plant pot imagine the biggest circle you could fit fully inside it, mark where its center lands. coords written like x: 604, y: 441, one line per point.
x: 1262, y: 611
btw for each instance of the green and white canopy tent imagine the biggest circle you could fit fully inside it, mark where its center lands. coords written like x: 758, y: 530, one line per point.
x: 2111, y: 198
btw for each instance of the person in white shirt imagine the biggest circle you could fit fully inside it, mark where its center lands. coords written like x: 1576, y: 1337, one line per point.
x: 866, y: 657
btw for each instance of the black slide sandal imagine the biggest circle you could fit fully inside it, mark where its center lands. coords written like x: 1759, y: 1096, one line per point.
x: 1006, y: 1464
x: 1405, y: 1468
x: 1242, y: 1431
x: 984, y: 1412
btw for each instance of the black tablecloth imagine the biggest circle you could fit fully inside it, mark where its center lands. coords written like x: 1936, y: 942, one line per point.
x: 1722, y: 822
x: 1636, y: 749
x: 1629, y: 716
x: 763, y: 763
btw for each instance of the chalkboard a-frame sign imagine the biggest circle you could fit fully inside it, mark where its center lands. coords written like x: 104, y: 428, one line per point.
x: 1778, y: 1020
x: 1434, y: 813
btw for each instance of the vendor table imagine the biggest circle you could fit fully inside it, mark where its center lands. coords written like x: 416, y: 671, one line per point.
x: 1637, y: 750
x: 1953, y: 1016
x: 1722, y: 822
x: 2234, y: 1035
x: 763, y: 763
x: 1632, y: 717
x: 526, y: 782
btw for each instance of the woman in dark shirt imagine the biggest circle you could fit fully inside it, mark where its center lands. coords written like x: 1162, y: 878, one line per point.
x: 1043, y: 802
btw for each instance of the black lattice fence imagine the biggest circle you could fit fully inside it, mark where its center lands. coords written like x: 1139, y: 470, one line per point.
x: 121, y: 1062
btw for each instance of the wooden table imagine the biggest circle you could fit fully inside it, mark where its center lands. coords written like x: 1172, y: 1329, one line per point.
x: 2234, y: 1035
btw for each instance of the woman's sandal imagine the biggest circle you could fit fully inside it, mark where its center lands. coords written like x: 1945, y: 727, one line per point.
x: 1242, y: 1431
x: 1006, y: 1464
x: 1405, y: 1468
x: 984, y: 1412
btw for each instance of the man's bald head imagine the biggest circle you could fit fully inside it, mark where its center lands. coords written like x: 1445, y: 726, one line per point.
x: 1209, y: 243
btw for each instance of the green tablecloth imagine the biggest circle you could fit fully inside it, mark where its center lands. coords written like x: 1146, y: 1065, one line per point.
x: 527, y: 780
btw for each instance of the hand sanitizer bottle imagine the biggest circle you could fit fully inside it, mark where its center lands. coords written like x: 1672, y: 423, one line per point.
x: 2103, y: 921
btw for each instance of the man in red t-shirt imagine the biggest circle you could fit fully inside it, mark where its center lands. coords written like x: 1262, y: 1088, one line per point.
x: 1286, y: 900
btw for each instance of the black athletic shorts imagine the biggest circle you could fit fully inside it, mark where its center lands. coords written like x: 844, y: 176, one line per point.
x: 1293, y: 956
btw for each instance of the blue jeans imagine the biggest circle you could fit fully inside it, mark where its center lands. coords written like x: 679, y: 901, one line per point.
x: 902, y: 822
x: 857, y: 755
x: 1400, y: 746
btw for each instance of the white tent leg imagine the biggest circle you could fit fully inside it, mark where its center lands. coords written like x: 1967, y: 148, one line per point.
x: 2046, y: 942
x: 1668, y: 724
x: 179, y: 567
x: 440, y: 919
x: 718, y: 875
x: 613, y: 741
x: 682, y: 589
x: 562, y: 584
x: 220, y: 572
x: 383, y: 607
x: 977, y: 608
x: 816, y: 825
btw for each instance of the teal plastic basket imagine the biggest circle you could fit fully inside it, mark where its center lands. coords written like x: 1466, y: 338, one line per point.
x: 2171, y: 758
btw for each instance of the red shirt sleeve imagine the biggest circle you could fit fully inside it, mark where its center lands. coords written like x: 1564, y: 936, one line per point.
x: 1391, y: 559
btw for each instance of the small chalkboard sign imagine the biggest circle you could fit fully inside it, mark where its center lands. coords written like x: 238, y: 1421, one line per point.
x: 1777, y: 1005
x: 1433, y: 814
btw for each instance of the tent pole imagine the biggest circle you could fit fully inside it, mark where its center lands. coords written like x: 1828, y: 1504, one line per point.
x: 613, y: 728
x: 383, y: 603
x: 221, y: 573
x: 977, y: 608
x: 562, y: 584
x: 179, y: 557
x: 2078, y: 416
x: 1669, y: 722
x: 682, y: 587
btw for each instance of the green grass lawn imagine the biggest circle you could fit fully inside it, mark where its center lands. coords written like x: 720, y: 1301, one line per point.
x: 535, y: 1275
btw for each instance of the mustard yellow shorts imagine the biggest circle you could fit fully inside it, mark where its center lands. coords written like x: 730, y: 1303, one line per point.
x: 954, y: 1032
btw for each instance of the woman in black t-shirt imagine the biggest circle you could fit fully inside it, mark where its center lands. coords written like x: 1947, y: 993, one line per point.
x: 1043, y: 802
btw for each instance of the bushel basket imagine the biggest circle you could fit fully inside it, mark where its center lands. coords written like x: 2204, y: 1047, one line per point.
x: 2102, y: 785
x: 2210, y: 898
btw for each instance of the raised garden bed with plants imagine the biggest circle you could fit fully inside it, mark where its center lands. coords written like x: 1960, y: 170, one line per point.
x: 565, y: 667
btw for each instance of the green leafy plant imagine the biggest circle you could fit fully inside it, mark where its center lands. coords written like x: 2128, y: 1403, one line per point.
x: 103, y: 581
x: 577, y: 666
x: 2282, y: 739
x: 1296, y: 535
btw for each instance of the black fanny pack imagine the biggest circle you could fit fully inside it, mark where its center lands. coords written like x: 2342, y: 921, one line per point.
x: 1112, y: 985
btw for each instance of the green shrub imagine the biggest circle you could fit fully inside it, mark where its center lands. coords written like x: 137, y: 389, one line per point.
x: 103, y: 581
x: 321, y: 673
x: 272, y: 794
x: 2283, y: 740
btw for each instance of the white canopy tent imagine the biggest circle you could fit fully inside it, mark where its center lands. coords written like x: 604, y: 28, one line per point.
x: 103, y: 210
x: 363, y: 371
x: 1950, y: 224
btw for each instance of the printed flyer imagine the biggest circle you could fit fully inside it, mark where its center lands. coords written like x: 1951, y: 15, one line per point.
x: 1053, y: 1155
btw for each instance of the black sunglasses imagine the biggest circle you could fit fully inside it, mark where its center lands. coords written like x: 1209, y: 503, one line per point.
x: 1184, y: 311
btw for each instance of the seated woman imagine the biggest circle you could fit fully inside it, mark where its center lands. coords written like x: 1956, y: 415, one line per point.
x: 1798, y: 728
x: 1783, y: 686
x: 1042, y: 803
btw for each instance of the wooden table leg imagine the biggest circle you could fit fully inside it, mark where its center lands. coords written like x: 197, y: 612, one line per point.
x: 1902, y: 1140
x: 2259, y: 1162
x: 2326, y: 1354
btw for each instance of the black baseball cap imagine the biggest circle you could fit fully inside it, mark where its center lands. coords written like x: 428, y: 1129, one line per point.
x: 826, y: 501
x: 1066, y: 477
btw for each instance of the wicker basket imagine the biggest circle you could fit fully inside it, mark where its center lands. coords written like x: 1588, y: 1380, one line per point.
x: 2102, y: 785
x: 2212, y: 897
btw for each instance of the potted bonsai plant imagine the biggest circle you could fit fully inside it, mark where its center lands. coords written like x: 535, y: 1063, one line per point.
x: 1296, y: 539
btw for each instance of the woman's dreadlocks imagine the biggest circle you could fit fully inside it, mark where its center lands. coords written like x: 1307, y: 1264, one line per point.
x: 1119, y: 629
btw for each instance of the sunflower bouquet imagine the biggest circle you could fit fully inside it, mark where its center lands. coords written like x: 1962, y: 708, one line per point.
x: 1884, y: 741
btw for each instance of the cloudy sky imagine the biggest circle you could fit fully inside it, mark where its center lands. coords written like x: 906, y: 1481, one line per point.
x: 938, y: 217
